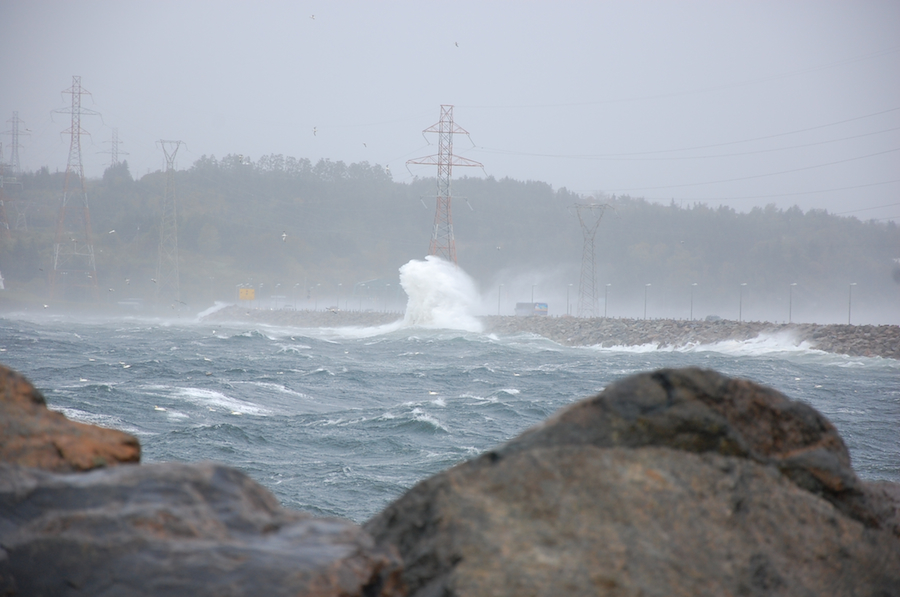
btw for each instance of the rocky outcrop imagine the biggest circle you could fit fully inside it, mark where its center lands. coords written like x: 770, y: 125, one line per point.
x: 33, y: 435
x: 671, y: 483
x: 853, y: 340
x: 161, y: 529
x: 176, y: 529
x: 676, y: 482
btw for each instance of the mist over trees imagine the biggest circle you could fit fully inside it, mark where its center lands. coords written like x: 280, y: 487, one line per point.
x: 315, y: 233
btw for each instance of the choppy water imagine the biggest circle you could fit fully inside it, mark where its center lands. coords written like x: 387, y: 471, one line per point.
x: 340, y: 422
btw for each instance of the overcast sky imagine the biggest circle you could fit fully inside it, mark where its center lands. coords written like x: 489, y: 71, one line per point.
x: 743, y: 103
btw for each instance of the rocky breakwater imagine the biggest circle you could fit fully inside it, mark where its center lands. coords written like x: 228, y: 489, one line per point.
x: 161, y: 529
x: 329, y: 318
x: 677, y: 482
x: 863, y: 340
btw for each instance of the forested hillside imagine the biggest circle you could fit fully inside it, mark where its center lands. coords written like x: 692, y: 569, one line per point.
x: 315, y: 233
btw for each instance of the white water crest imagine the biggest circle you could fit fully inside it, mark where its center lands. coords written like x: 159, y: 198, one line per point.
x: 441, y: 295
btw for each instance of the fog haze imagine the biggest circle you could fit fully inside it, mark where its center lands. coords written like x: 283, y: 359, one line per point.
x: 593, y: 97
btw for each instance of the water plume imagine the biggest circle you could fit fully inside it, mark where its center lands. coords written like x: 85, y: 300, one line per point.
x: 441, y: 295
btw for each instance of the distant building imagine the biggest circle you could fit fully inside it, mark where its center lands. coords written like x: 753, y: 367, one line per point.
x: 529, y: 309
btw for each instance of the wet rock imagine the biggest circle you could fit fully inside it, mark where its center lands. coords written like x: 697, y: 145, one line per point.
x: 674, y: 482
x: 175, y: 529
x: 32, y: 435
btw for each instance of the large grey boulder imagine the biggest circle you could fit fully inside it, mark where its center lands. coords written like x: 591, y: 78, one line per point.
x: 179, y: 530
x: 677, y: 482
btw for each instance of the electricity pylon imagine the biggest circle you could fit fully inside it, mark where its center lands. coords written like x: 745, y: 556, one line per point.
x: 114, y: 149
x: 14, y: 168
x: 74, y: 265
x: 4, y: 222
x: 167, y: 281
x: 589, y: 216
x: 443, y: 243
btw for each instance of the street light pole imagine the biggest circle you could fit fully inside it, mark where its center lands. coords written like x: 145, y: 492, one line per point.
x: 741, y: 303
x: 532, y: 292
x: 791, y: 302
x: 499, y: 296
x: 850, y: 302
x: 646, y: 286
x: 568, y: 288
x: 692, y: 300
x: 605, y: 299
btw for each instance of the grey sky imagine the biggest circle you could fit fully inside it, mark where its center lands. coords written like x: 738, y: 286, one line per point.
x: 786, y: 102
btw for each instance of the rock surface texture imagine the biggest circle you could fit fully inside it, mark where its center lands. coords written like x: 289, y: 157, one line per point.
x: 175, y: 529
x: 161, y: 529
x: 33, y: 435
x: 677, y: 482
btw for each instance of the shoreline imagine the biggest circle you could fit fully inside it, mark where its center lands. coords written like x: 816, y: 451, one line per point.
x: 853, y: 340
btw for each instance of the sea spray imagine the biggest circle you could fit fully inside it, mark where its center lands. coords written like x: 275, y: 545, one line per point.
x: 441, y: 295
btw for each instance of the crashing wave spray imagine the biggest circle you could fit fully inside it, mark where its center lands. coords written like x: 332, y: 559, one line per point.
x: 441, y: 295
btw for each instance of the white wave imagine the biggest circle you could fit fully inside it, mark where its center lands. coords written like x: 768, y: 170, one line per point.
x: 274, y: 387
x: 763, y: 344
x: 419, y: 415
x: 217, y: 306
x: 80, y: 416
x: 441, y: 295
x: 213, y: 398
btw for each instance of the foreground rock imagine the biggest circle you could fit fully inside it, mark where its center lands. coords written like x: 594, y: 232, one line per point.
x: 162, y: 529
x: 671, y: 483
x: 175, y: 529
x: 33, y: 435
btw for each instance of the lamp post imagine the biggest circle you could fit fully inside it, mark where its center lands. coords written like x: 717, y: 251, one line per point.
x: 605, y: 299
x: 791, y: 302
x: 568, y: 288
x: 340, y: 284
x: 646, y: 286
x: 850, y: 302
x: 741, y: 303
x: 532, y: 292
x: 499, y: 296
x: 692, y: 300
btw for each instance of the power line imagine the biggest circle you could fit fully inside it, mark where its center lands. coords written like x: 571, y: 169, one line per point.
x: 710, y: 146
x: 697, y: 184
x: 746, y: 83
x: 613, y: 157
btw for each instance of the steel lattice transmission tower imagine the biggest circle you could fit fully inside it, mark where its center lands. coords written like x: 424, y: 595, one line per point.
x: 74, y: 264
x: 4, y: 222
x: 167, y: 281
x: 14, y: 166
x: 114, y: 149
x: 443, y: 243
x: 589, y: 216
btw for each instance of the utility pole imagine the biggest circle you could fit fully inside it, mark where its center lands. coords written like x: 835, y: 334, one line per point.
x: 74, y: 264
x: 167, y: 281
x: 443, y: 243
x: 589, y: 216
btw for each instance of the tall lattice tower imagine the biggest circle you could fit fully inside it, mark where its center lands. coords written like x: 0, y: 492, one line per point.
x: 443, y: 243
x: 167, y: 281
x: 4, y: 222
x: 74, y: 264
x: 14, y: 168
x: 114, y: 149
x: 589, y: 216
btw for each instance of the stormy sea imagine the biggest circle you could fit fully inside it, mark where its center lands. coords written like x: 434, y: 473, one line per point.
x: 340, y: 421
